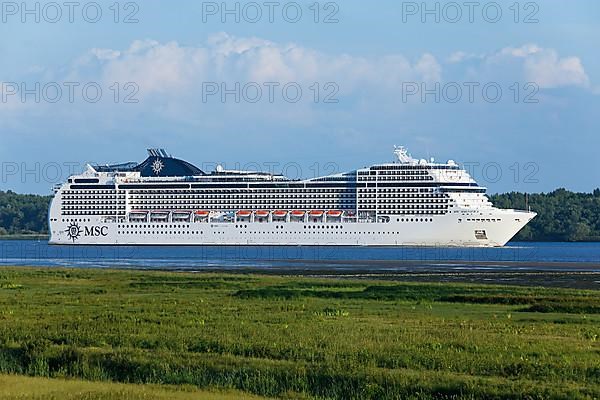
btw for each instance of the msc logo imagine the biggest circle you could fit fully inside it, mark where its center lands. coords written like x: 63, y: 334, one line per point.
x: 74, y: 231
x: 96, y: 231
x: 157, y: 166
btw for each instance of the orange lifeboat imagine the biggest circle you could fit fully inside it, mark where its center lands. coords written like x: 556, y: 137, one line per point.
x: 298, y: 213
x: 317, y: 213
x: 280, y: 213
x: 244, y: 213
x: 202, y: 213
x: 334, y: 213
x: 262, y: 213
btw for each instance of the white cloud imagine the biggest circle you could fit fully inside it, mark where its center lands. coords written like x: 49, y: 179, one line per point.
x: 550, y: 71
x: 171, y: 67
x: 170, y: 76
x: 457, y: 57
x: 529, y: 62
x: 105, y: 54
x: 460, y: 56
x: 521, y: 52
x: 429, y: 68
x: 545, y: 67
x: 155, y: 67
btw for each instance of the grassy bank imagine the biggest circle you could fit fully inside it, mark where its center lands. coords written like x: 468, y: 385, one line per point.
x: 300, y: 337
x: 25, y: 237
x: 26, y: 388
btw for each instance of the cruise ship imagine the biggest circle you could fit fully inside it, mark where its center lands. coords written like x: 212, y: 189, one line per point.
x: 168, y: 201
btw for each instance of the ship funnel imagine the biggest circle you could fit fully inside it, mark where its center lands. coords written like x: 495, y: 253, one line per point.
x: 158, y: 153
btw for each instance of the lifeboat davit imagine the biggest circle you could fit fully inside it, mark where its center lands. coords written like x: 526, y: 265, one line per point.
x: 138, y: 215
x: 244, y: 214
x: 160, y: 215
x: 180, y: 215
x: 334, y: 213
x: 280, y: 213
x: 298, y: 213
x: 317, y: 213
x: 181, y: 212
x: 262, y: 213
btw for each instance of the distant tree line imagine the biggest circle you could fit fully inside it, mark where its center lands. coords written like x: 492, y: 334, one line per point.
x: 562, y: 215
x: 23, y: 213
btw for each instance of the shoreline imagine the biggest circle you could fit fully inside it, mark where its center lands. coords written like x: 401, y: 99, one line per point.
x: 25, y: 237
x: 584, y: 280
x: 521, y: 264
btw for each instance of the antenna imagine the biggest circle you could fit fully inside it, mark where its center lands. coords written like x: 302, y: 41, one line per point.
x: 402, y: 155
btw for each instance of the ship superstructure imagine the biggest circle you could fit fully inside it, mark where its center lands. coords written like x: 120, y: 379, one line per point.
x: 168, y: 201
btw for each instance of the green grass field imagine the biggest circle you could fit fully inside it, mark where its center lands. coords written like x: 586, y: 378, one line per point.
x: 296, y: 338
x: 27, y: 388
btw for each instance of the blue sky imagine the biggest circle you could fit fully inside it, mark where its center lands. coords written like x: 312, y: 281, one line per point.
x: 363, y: 81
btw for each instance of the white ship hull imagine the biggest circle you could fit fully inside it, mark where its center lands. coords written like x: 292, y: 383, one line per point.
x: 440, y: 231
x: 167, y: 201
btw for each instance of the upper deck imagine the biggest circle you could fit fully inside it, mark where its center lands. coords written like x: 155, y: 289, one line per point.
x: 160, y: 167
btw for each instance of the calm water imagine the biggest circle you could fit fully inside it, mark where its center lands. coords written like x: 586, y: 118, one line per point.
x: 516, y: 256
